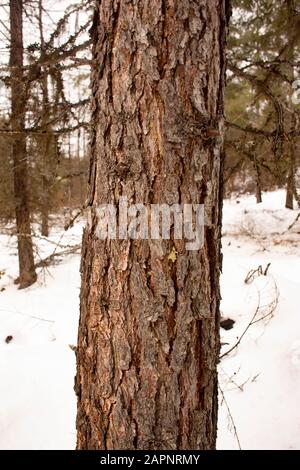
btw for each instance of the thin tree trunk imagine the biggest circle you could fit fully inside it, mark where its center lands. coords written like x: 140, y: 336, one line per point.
x: 46, y: 181
x: 47, y: 140
x: 258, y: 194
x: 25, y: 250
x: 289, y: 201
x: 296, y: 195
x: 70, y: 167
x: 148, y: 341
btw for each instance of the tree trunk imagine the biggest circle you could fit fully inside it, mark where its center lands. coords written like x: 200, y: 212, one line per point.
x: 258, y: 194
x: 26, y: 261
x: 296, y: 194
x: 47, y: 140
x: 148, y: 342
x: 290, y: 184
x: 46, y: 178
x: 289, y: 200
x: 70, y: 169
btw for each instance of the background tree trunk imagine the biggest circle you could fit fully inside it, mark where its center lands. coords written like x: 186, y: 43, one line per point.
x: 258, y: 194
x: 289, y: 200
x: 45, y: 145
x: 18, y: 101
x: 48, y: 141
x: 148, y: 342
x: 290, y: 184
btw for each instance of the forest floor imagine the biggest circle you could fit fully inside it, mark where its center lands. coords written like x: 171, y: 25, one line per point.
x: 259, y: 379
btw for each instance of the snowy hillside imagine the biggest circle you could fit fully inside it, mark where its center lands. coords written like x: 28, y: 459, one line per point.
x: 259, y: 379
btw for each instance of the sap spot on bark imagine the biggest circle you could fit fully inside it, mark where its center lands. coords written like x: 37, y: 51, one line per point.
x: 173, y: 255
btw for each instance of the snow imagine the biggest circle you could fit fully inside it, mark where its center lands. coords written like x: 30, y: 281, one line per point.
x: 38, y: 405
x: 259, y: 379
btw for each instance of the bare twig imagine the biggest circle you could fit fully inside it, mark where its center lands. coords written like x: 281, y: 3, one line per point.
x: 49, y: 259
x: 294, y: 223
x: 267, y: 312
x: 41, y: 237
x: 231, y: 418
x: 27, y: 315
x: 244, y: 332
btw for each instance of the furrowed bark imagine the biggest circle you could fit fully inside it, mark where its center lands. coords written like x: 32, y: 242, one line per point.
x: 148, y: 341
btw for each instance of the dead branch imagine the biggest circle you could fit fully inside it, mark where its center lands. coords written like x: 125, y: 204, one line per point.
x: 49, y: 259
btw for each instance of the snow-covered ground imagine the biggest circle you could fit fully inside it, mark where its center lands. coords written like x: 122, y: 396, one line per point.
x: 37, y: 367
x: 259, y: 379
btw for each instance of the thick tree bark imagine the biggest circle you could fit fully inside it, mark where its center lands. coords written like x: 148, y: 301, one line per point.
x: 148, y: 342
x: 25, y: 251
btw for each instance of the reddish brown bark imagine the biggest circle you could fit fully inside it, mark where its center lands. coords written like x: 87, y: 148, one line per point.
x: 148, y: 342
